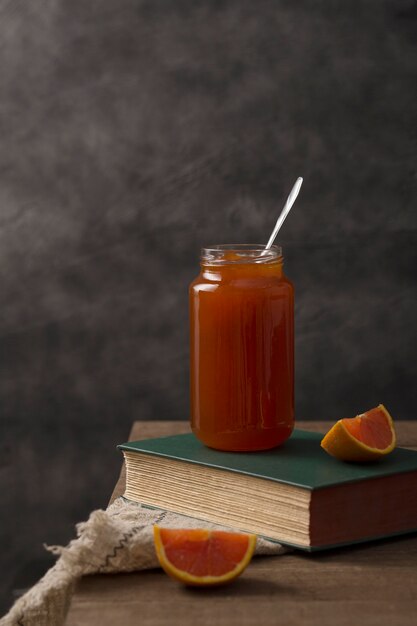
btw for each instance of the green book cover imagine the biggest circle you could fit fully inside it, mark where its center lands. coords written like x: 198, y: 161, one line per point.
x: 300, y: 461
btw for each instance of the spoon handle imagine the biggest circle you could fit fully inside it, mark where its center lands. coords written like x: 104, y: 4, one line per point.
x: 287, y: 207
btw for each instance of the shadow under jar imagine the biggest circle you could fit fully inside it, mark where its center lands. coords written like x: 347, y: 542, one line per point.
x: 242, y: 349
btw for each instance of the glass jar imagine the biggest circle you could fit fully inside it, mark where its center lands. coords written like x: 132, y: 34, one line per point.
x: 242, y: 349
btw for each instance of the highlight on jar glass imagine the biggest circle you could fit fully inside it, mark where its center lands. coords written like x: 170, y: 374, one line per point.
x: 242, y: 348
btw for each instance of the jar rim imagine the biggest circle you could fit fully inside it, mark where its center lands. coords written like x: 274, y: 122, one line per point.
x: 243, y: 253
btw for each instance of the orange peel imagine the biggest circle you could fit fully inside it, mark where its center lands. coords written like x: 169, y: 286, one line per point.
x: 201, y: 557
x: 366, y: 437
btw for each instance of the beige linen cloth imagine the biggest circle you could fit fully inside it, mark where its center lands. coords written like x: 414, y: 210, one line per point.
x: 119, y: 539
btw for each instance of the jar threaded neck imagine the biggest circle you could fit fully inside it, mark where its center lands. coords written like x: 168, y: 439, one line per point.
x: 230, y: 254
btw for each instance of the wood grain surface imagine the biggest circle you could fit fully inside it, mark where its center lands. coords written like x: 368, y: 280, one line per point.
x: 373, y: 584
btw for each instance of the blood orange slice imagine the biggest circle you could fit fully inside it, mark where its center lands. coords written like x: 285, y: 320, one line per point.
x: 367, y: 437
x: 203, y: 557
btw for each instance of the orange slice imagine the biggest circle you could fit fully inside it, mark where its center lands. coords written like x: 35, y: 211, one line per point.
x: 367, y: 437
x: 203, y: 557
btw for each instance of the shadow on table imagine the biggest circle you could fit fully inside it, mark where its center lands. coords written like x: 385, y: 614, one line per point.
x: 399, y: 544
x: 247, y: 585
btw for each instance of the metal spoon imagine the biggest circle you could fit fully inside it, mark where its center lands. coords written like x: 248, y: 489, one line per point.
x: 290, y: 201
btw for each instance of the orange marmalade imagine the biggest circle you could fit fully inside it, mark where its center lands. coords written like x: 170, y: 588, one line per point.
x: 242, y: 349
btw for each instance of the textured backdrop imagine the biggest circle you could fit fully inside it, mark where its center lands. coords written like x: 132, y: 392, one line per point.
x: 132, y: 133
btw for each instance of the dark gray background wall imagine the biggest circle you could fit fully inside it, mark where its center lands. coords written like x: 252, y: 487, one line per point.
x: 132, y: 133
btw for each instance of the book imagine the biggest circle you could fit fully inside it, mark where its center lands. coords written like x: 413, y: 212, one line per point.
x: 295, y: 494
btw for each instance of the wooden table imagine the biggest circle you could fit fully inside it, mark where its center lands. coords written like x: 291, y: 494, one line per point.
x: 372, y: 584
